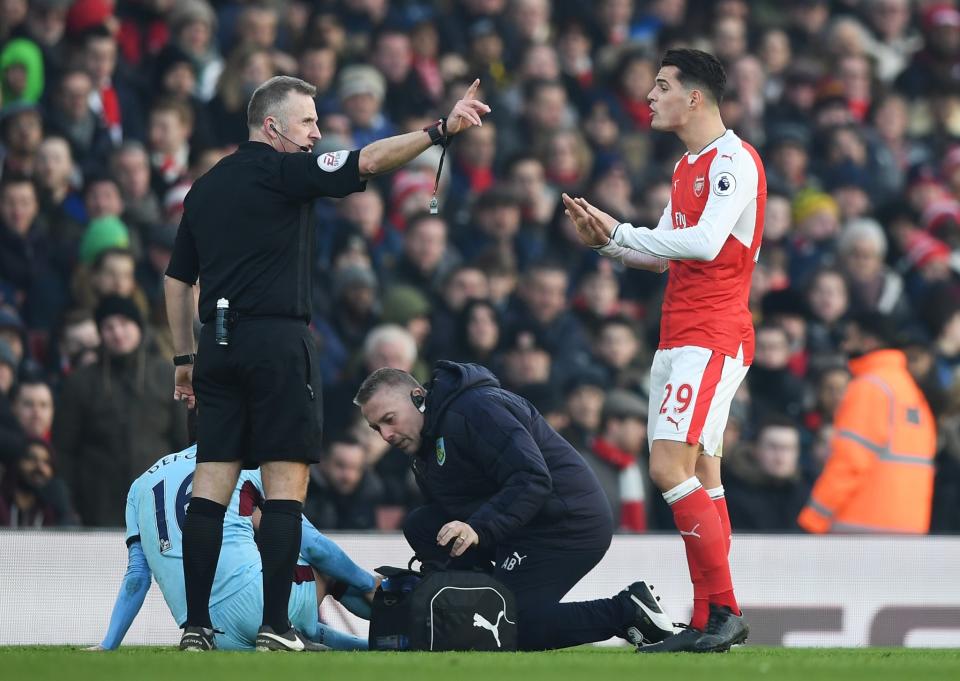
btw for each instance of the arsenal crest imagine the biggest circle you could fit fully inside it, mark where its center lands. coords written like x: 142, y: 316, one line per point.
x: 698, y: 186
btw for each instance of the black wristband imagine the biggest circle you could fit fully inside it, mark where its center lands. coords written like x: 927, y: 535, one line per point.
x: 183, y: 360
x: 437, y: 132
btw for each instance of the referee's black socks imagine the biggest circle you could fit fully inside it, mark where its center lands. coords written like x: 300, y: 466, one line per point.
x: 279, y: 548
x: 202, y: 536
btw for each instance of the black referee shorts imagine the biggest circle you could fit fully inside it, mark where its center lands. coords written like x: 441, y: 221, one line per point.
x: 259, y: 397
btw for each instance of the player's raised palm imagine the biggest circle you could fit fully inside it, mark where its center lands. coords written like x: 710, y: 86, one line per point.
x: 594, y: 227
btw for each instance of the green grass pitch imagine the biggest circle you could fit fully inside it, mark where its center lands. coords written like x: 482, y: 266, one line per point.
x: 594, y: 664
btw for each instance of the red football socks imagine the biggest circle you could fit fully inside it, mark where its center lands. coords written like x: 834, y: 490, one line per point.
x: 720, y: 502
x: 706, y: 542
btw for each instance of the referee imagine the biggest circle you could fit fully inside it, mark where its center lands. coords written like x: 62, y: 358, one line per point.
x: 246, y: 239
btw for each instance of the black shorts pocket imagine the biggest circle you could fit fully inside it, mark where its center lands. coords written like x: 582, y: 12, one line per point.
x: 314, y: 401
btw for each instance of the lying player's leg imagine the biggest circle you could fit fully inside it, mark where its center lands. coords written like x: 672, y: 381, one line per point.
x: 360, y: 603
x: 238, y: 617
x: 330, y: 560
x: 305, y: 599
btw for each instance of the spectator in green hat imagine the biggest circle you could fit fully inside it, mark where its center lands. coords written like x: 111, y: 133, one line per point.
x: 21, y: 72
x: 103, y: 233
x: 409, y: 308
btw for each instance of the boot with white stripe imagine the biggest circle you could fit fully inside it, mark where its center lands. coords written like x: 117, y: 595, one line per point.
x: 289, y: 641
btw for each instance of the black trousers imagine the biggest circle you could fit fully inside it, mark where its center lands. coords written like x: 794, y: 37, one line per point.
x: 538, y: 578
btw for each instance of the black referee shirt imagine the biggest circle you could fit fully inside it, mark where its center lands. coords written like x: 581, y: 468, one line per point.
x: 246, y: 228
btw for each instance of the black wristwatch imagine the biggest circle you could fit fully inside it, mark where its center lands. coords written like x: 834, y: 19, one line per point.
x: 437, y: 132
x: 183, y: 360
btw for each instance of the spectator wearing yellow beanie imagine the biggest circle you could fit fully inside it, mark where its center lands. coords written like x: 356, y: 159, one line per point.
x: 816, y: 219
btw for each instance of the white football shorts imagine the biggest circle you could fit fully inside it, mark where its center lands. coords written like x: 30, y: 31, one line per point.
x: 691, y: 389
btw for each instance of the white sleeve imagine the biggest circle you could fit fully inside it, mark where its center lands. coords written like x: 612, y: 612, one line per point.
x: 733, y: 185
x: 636, y: 259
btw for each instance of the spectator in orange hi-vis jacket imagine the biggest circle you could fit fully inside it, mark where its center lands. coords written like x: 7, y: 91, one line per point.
x: 879, y: 476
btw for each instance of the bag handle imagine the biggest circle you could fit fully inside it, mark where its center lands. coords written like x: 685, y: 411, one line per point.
x: 426, y: 567
x: 389, y: 571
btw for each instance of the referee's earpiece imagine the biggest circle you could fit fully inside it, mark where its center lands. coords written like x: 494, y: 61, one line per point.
x: 419, y: 401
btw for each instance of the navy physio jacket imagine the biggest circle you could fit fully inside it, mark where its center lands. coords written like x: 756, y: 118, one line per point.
x: 490, y: 459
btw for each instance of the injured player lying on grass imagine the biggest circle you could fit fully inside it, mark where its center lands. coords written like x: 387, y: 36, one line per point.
x: 156, y: 506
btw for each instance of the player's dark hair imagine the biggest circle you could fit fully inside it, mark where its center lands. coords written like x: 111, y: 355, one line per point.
x: 697, y: 69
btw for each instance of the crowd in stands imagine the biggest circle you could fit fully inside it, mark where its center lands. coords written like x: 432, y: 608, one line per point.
x: 110, y: 110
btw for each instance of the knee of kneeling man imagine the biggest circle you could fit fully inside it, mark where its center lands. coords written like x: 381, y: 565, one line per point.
x: 420, y: 526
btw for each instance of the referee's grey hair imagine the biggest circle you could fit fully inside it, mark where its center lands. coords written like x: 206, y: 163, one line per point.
x: 384, y: 378
x: 270, y: 97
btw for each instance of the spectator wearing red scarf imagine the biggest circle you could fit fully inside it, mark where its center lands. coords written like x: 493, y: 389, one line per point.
x: 614, y: 456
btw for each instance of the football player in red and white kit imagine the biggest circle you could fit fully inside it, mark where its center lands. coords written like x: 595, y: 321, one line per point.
x: 709, y: 239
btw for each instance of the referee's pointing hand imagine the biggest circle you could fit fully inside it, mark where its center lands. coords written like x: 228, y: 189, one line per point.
x: 467, y: 111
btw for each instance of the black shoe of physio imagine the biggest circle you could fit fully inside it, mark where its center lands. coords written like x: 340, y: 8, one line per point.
x: 724, y: 629
x: 197, y: 639
x: 289, y: 641
x: 651, y: 624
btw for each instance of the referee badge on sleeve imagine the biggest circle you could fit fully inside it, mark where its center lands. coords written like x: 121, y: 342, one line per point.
x: 332, y: 160
x: 441, y: 452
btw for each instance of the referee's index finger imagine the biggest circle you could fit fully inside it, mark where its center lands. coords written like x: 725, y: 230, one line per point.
x: 472, y: 90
